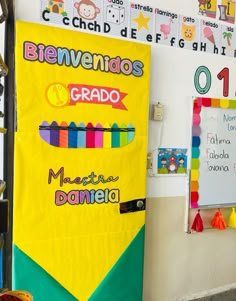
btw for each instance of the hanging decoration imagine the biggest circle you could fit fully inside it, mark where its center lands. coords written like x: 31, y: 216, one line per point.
x: 218, y: 221
x: 232, y: 219
x: 197, y: 224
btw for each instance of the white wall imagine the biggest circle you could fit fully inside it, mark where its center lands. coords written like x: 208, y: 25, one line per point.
x: 176, y: 264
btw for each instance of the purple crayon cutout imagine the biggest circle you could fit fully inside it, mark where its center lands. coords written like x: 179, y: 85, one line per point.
x: 196, y: 130
x: 54, y: 134
x: 45, y: 133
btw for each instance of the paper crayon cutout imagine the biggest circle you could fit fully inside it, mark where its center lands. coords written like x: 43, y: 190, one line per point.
x: 89, y: 136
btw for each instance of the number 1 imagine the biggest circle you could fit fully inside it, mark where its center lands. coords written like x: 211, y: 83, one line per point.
x: 224, y: 74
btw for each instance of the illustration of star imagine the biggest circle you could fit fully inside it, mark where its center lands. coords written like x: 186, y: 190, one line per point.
x: 142, y: 21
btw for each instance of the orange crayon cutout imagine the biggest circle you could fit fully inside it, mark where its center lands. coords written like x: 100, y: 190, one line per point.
x: 63, y: 135
x: 194, y: 186
x: 215, y: 102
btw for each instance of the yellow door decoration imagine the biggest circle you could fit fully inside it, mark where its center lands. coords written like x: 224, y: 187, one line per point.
x: 80, y: 164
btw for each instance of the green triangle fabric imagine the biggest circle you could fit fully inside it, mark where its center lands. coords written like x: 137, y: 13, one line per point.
x: 29, y: 276
x: 125, y: 280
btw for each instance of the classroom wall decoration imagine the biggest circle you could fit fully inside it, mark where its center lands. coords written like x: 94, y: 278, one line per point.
x: 207, y: 8
x: 172, y: 161
x: 144, y: 23
x: 80, y: 163
x: 226, y: 11
x: 213, y: 167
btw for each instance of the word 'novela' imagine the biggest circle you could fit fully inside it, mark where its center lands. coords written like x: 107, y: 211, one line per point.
x: 80, y: 197
x: 85, y: 59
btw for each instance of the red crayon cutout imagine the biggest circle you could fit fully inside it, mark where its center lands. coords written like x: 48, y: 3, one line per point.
x: 90, y: 136
x: 63, y: 135
x: 194, y: 196
x: 218, y: 221
x: 206, y: 102
x: 197, y: 223
x: 198, y: 101
x: 196, y: 108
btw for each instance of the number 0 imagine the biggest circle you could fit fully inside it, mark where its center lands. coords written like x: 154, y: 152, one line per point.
x: 206, y: 88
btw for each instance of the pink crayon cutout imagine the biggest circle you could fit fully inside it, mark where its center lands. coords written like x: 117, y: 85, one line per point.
x: 198, y: 101
x: 196, y: 119
x: 98, y: 139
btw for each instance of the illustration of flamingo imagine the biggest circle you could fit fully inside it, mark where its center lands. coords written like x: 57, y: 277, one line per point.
x: 166, y: 28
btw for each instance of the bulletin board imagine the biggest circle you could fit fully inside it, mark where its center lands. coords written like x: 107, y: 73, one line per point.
x: 80, y: 165
x: 213, y: 174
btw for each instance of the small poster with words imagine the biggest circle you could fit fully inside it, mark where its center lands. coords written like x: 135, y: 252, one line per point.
x: 166, y: 27
x: 188, y: 33
x: 226, y: 10
x: 207, y: 8
x: 228, y: 40
x: 210, y: 37
x: 87, y: 16
x: 116, y: 16
x: 141, y: 22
